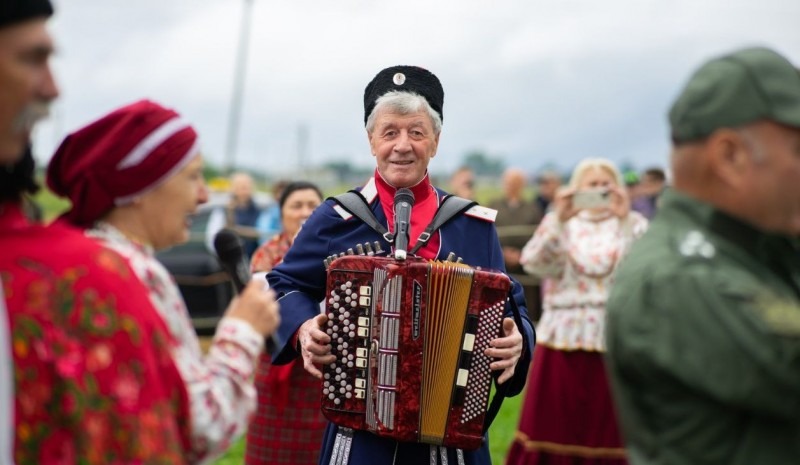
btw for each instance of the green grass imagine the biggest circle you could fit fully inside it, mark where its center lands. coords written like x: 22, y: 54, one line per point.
x: 234, y: 456
x: 51, y: 205
x: 501, y: 434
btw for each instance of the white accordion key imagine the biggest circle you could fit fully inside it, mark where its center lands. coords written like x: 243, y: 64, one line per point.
x: 361, y: 383
x: 462, y: 377
x: 469, y: 342
x: 361, y: 352
x: 363, y: 321
x: 364, y: 301
x: 365, y: 290
x: 361, y: 362
x: 363, y: 332
x: 359, y: 393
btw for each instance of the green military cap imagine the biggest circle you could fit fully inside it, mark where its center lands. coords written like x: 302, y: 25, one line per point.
x: 736, y: 89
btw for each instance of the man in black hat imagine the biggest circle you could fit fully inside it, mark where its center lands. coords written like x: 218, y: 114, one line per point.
x: 704, y: 317
x: 403, y: 113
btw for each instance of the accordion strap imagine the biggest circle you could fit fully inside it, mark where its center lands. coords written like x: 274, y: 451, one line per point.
x: 355, y: 203
x: 502, y: 389
x: 451, y: 206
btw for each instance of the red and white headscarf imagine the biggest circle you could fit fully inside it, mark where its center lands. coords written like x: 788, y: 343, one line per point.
x: 119, y: 157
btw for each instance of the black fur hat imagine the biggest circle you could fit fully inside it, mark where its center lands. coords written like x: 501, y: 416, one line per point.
x: 404, y: 78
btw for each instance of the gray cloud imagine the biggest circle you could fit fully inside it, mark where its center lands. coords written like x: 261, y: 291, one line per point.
x: 532, y: 81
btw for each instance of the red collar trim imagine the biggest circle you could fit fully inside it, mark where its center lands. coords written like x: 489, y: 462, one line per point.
x: 421, y: 190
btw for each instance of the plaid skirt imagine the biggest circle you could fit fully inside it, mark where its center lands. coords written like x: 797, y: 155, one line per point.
x: 568, y: 417
x: 288, y: 425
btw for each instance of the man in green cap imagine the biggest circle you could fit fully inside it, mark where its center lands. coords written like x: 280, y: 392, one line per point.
x: 704, y: 319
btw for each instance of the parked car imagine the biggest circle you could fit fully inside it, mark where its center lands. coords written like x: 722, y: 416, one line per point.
x: 204, y: 284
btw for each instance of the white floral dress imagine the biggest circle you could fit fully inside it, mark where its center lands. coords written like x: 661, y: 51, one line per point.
x: 578, y: 259
x: 220, y: 388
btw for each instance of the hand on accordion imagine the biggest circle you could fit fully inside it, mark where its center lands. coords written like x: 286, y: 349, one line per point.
x: 507, y: 349
x: 315, y: 345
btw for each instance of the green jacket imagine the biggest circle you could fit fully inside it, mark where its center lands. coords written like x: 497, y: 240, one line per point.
x: 703, y: 340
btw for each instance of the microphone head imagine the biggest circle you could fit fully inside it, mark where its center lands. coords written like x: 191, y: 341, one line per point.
x: 228, y: 246
x: 404, y: 195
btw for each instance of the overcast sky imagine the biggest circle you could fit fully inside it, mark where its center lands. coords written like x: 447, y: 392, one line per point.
x: 531, y: 81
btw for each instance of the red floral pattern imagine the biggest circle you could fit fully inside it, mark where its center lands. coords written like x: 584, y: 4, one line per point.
x: 221, y: 393
x: 270, y: 253
x: 94, y: 380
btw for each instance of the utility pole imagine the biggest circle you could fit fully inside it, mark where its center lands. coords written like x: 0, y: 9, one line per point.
x: 235, y: 112
x: 302, y: 149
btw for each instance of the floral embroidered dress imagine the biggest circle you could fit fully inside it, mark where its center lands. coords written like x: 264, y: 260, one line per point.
x: 288, y: 425
x: 578, y: 259
x: 220, y: 388
x: 94, y: 380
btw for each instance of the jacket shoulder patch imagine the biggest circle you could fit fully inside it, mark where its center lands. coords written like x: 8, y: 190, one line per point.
x: 482, y: 213
x: 342, y: 212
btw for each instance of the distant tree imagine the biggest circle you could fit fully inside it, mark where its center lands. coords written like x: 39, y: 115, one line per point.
x: 210, y: 171
x: 347, y: 172
x: 483, y: 164
x: 341, y: 168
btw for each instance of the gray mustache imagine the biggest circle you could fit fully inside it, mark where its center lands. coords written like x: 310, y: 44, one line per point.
x: 29, y: 116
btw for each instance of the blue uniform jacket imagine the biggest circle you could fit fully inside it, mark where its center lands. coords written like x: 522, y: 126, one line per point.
x: 299, y: 282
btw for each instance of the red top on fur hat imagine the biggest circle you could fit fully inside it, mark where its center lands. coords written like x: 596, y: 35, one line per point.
x: 119, y: 157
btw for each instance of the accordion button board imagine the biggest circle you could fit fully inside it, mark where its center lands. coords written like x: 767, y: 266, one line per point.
x: 409, y: 339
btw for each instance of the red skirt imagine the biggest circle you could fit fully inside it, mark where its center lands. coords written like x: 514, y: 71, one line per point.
x: 568, y: 417
x: 288, y: 424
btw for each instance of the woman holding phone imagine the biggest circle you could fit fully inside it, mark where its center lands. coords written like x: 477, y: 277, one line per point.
x: 568, y: 415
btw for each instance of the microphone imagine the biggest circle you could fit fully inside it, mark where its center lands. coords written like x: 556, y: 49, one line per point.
x: 403, y: 201
x: 230, y: 253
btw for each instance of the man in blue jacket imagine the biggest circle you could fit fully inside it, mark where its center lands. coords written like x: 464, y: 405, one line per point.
x: 403, y: 118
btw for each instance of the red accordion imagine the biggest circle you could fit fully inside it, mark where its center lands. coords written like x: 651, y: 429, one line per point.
x: 409, y: 338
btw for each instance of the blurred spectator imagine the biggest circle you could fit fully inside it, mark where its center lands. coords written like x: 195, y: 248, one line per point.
x: 651, y: 185
x: 242, y: 212
x: 632, y: 180
x: 143, y: 167
x: 516, y: 222
x: 547, y: 184
x: 288, y: 425
x: 568, y: 415
x: 462, y: 183
x: 80, y: 343
x: 269, y: 222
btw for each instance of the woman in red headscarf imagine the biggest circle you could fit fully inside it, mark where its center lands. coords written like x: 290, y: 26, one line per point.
x: 288, y: 425
x: 85, y: 374
x: 135, y: 178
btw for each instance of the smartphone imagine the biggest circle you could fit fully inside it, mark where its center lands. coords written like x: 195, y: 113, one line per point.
x: 585, y: 200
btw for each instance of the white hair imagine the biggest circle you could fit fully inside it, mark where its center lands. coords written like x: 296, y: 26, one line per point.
x: 404, y: 103
x: 595, y: 163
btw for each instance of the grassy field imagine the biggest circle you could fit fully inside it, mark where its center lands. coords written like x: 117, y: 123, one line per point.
x: 500, y: 435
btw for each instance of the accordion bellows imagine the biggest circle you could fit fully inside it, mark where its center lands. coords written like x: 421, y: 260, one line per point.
x: 409, y: 338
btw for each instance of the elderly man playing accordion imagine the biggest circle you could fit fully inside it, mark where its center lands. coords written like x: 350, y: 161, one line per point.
x: 403, y: 117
